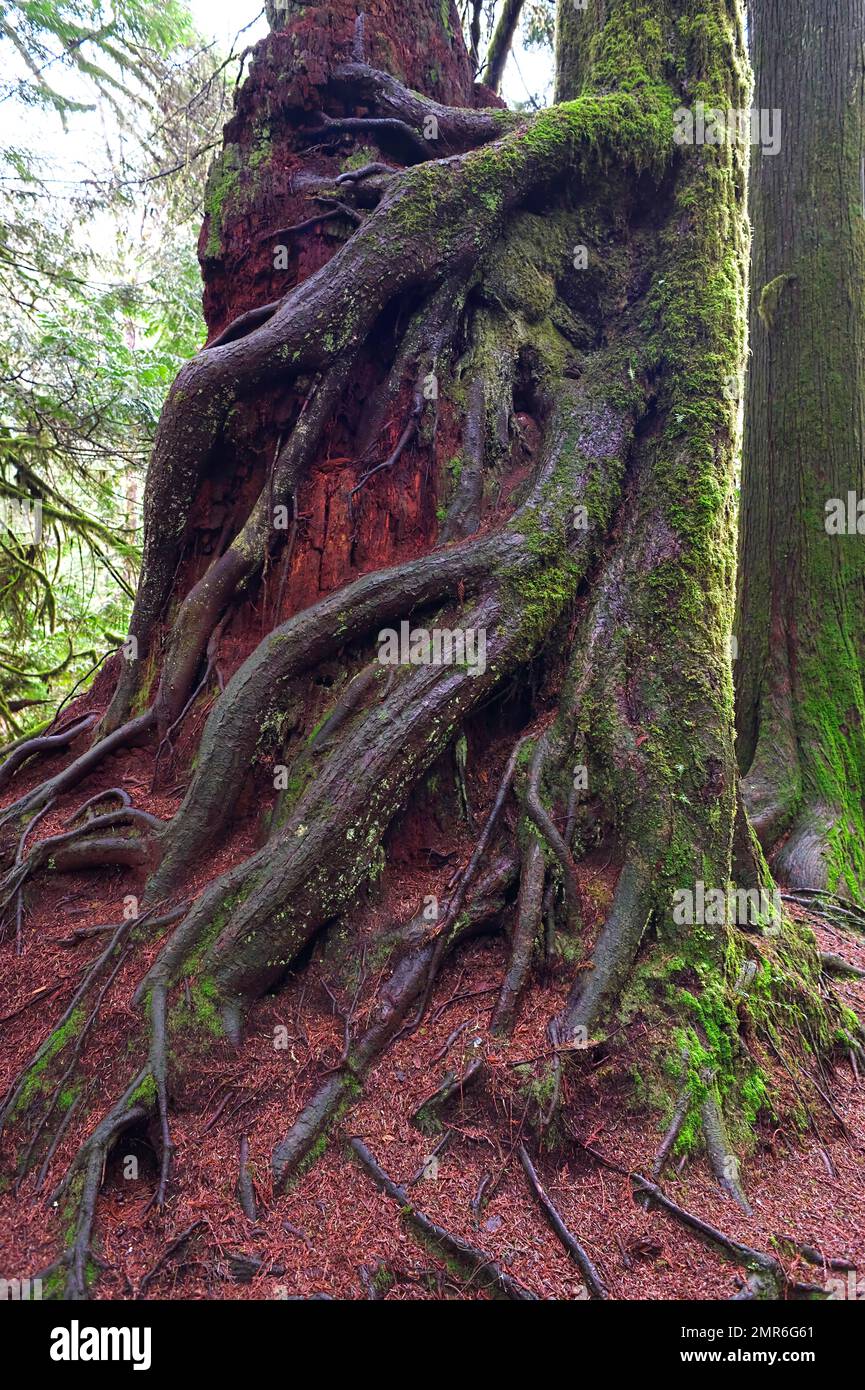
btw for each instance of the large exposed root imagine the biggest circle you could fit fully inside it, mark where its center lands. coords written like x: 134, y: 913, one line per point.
x: 125, y: 737
x: 84, y: 1177
x: 329, y: 313
x: 767, y: 1278
x: 44, y: 743
x: 719, y: 1150
x: 613, y: 955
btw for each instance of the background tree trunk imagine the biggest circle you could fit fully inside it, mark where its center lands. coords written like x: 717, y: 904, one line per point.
x: 501, y: 43
x: 800, y: 624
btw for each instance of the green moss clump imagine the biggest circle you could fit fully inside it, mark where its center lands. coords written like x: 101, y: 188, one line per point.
x: 145, y: 1093
x: 222, y: 184
x: 37, y: 1081
x: 770, y: 298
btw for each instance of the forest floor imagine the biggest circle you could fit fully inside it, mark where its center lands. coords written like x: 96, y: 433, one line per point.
x: 332, y: 1230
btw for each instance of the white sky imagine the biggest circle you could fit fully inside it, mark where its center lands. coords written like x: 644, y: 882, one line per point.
x: 221, y: 19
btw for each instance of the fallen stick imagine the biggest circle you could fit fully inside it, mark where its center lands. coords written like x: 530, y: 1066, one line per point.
x: 481, y: 1267
x: 572, y: 1245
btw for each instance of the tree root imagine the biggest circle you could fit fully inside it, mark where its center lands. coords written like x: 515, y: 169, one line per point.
x: 69, y: 1071
x: 112, y: 793
x: 542, y: 820
x: 55, y: 1144
x: 47, y: 1049
x: 683, y: 1105
x: 766, y: 1280
x: 306, y: 639
x: 43, y: 744
x: 593, y: 1280
x: 179, y: 1242
x: 455, y: 904
x: 722, y: 1159
x: 338, y: 307
x: 247, y: 928
x: 88, y: 1165
x: 409, y: 979
x: 159, y: 1072
x: 425, y: 1117
x: 331, y: 126
x: 204, y: 606
x: 245, y: 1187
x: 427, y: 1165
x: 481, y: 1269
x: 124, y: 737
x: 840, y: 911
x: 245, y: 323
x: 836, y: 965
x: 365, y: 172
x: 456, y: 130
x: 76, y: 849
x: 613, y: 955
x: 525, y: 930
x: 814, y: 1257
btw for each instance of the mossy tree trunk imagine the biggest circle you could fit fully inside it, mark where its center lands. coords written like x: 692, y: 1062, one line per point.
x: 800, y: 625
x: 501, y: 43
x: 477, y: 361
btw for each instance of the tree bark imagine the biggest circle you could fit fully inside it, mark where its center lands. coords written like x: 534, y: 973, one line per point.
x: 800, y: 623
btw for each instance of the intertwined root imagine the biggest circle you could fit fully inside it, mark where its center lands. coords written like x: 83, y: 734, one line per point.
x: 481, y: 897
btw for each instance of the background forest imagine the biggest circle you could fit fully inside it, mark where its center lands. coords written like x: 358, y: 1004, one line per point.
x: 109, y: 124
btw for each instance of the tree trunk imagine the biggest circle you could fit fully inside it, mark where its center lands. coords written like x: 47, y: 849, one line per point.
x: 475, y: 402
x: 501, y: 43
x: 800, y: 624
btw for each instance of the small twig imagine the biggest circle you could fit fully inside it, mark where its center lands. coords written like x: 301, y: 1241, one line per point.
x: 510, y: 1153
x: 449, y: 1042
x: 166, y: 1255
x: 43, y: 993
x: 458, y: 998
